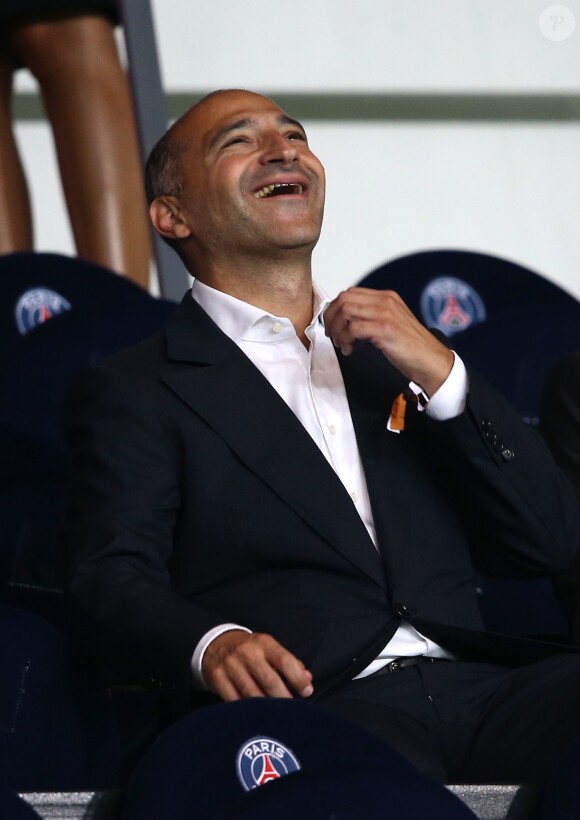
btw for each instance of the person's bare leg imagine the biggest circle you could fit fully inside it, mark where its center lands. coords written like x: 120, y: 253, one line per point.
x: 87, y: 100
x: 15, y: 216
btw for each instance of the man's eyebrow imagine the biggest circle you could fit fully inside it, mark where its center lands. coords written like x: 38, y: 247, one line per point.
x: 247, y: 122
x: 232, y: 126
x: 284, y: 119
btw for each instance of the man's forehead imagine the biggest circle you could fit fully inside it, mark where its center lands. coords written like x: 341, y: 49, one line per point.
x: 227, y: 108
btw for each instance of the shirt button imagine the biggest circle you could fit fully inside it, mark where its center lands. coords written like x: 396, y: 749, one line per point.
x: 354, y: 496
x: 332, y: 430
x: 276, y: 327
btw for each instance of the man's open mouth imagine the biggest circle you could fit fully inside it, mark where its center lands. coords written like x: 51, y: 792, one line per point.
x: 279, y: 189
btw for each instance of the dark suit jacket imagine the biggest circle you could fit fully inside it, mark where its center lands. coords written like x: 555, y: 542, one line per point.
x: 198, y: 498
x: 560, y: 415
x: 560, y: 426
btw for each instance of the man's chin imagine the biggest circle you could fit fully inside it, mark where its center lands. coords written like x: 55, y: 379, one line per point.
x: 292, y: 237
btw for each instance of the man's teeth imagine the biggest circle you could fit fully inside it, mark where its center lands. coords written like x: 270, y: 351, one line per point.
x: 279, y: 188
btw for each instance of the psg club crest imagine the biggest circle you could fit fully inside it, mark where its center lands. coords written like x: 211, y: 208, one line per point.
x: 451, y: 305
x: 37, y: 306
x: 263, y: 759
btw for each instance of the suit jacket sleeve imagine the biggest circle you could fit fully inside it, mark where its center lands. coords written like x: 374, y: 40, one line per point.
x: 520, y: 504
x: 560, y: 416
x: 124, y: 505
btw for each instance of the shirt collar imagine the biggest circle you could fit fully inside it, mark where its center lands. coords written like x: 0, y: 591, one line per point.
x: 244, y: 322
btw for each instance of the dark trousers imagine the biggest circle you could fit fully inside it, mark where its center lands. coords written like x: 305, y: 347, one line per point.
x: 465, y: 722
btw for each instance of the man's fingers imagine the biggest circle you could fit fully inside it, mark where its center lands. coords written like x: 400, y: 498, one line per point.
x: 223, y: 686
x: 384, y: 320
x: 287, y: 665
x: 361, y: 313
x: 240, y: 665
x: 252, y: 673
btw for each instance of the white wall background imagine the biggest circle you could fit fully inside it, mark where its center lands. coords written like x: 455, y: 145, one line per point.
x: 507, y: 188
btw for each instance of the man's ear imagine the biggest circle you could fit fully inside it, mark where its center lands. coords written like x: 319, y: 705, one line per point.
x: 165, y: 213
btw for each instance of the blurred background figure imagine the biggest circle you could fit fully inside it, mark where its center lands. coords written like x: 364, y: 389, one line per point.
x: 70, y: 49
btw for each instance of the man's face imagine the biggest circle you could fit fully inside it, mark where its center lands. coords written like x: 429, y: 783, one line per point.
x: 251, y: 183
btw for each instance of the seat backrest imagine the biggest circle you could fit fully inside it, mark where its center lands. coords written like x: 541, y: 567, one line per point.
x: 454, y: 289
x: 273, y: 757
x: 14, y: 807
x: 32, y: 508
x: 516, y: 348
x: 34, y: 287
x: 35, y: 375
x: 59, y: 727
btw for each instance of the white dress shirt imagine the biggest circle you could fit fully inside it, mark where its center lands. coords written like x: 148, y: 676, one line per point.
x: 310, y: 382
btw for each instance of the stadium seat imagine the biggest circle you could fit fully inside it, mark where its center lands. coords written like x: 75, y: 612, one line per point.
x: 58, y: 731
x: 32, y: 499
x: 106, y: 314
x: 561, y: 797
x: 265, y: 758
x: 453, y: 290
x: 40, y: 367
x: 35, y: 287
x: 516, y: 348
x: 13, y: 807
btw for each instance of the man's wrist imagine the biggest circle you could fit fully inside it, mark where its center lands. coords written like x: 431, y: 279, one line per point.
x: 449, y: 400
x: 200, y: 649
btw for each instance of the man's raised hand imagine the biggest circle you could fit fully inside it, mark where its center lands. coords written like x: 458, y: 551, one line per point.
x: 383, y: 319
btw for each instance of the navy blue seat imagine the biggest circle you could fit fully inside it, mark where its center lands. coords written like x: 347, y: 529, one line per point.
x: 32, y: 505
x: 35, y: 375
x: 35, y: 287
x: 58, y: 730
x: 96, y: 314
x: 265, y: 758
x: 561, y: 797
x: 13, y: 807
x: 516, y: 348
x: 454, y: 289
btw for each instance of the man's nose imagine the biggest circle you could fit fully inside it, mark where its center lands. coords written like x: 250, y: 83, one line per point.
x: 278, y: 148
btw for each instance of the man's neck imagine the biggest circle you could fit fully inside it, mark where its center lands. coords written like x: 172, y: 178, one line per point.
x: 278, y: 289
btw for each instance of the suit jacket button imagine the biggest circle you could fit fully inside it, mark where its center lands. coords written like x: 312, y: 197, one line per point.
x: 485, y: 423
x: 507, y: 454
x: 401, y: 610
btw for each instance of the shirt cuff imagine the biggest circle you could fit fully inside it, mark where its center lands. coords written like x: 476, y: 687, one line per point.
x: 199, y: 652
x: 449, y: 400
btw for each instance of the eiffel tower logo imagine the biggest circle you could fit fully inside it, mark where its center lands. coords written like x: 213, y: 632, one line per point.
x: 268, y: 771
x: 44, y: 314
x: 453, y: 314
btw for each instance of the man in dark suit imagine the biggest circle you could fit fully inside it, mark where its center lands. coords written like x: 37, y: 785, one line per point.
x: 282, y: 496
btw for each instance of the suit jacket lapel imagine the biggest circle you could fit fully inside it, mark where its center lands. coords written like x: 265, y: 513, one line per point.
x: 371, y: 384
x: 233, y: 397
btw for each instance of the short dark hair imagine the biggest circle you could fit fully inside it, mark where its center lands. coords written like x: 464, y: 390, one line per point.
x: 163, y: 172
